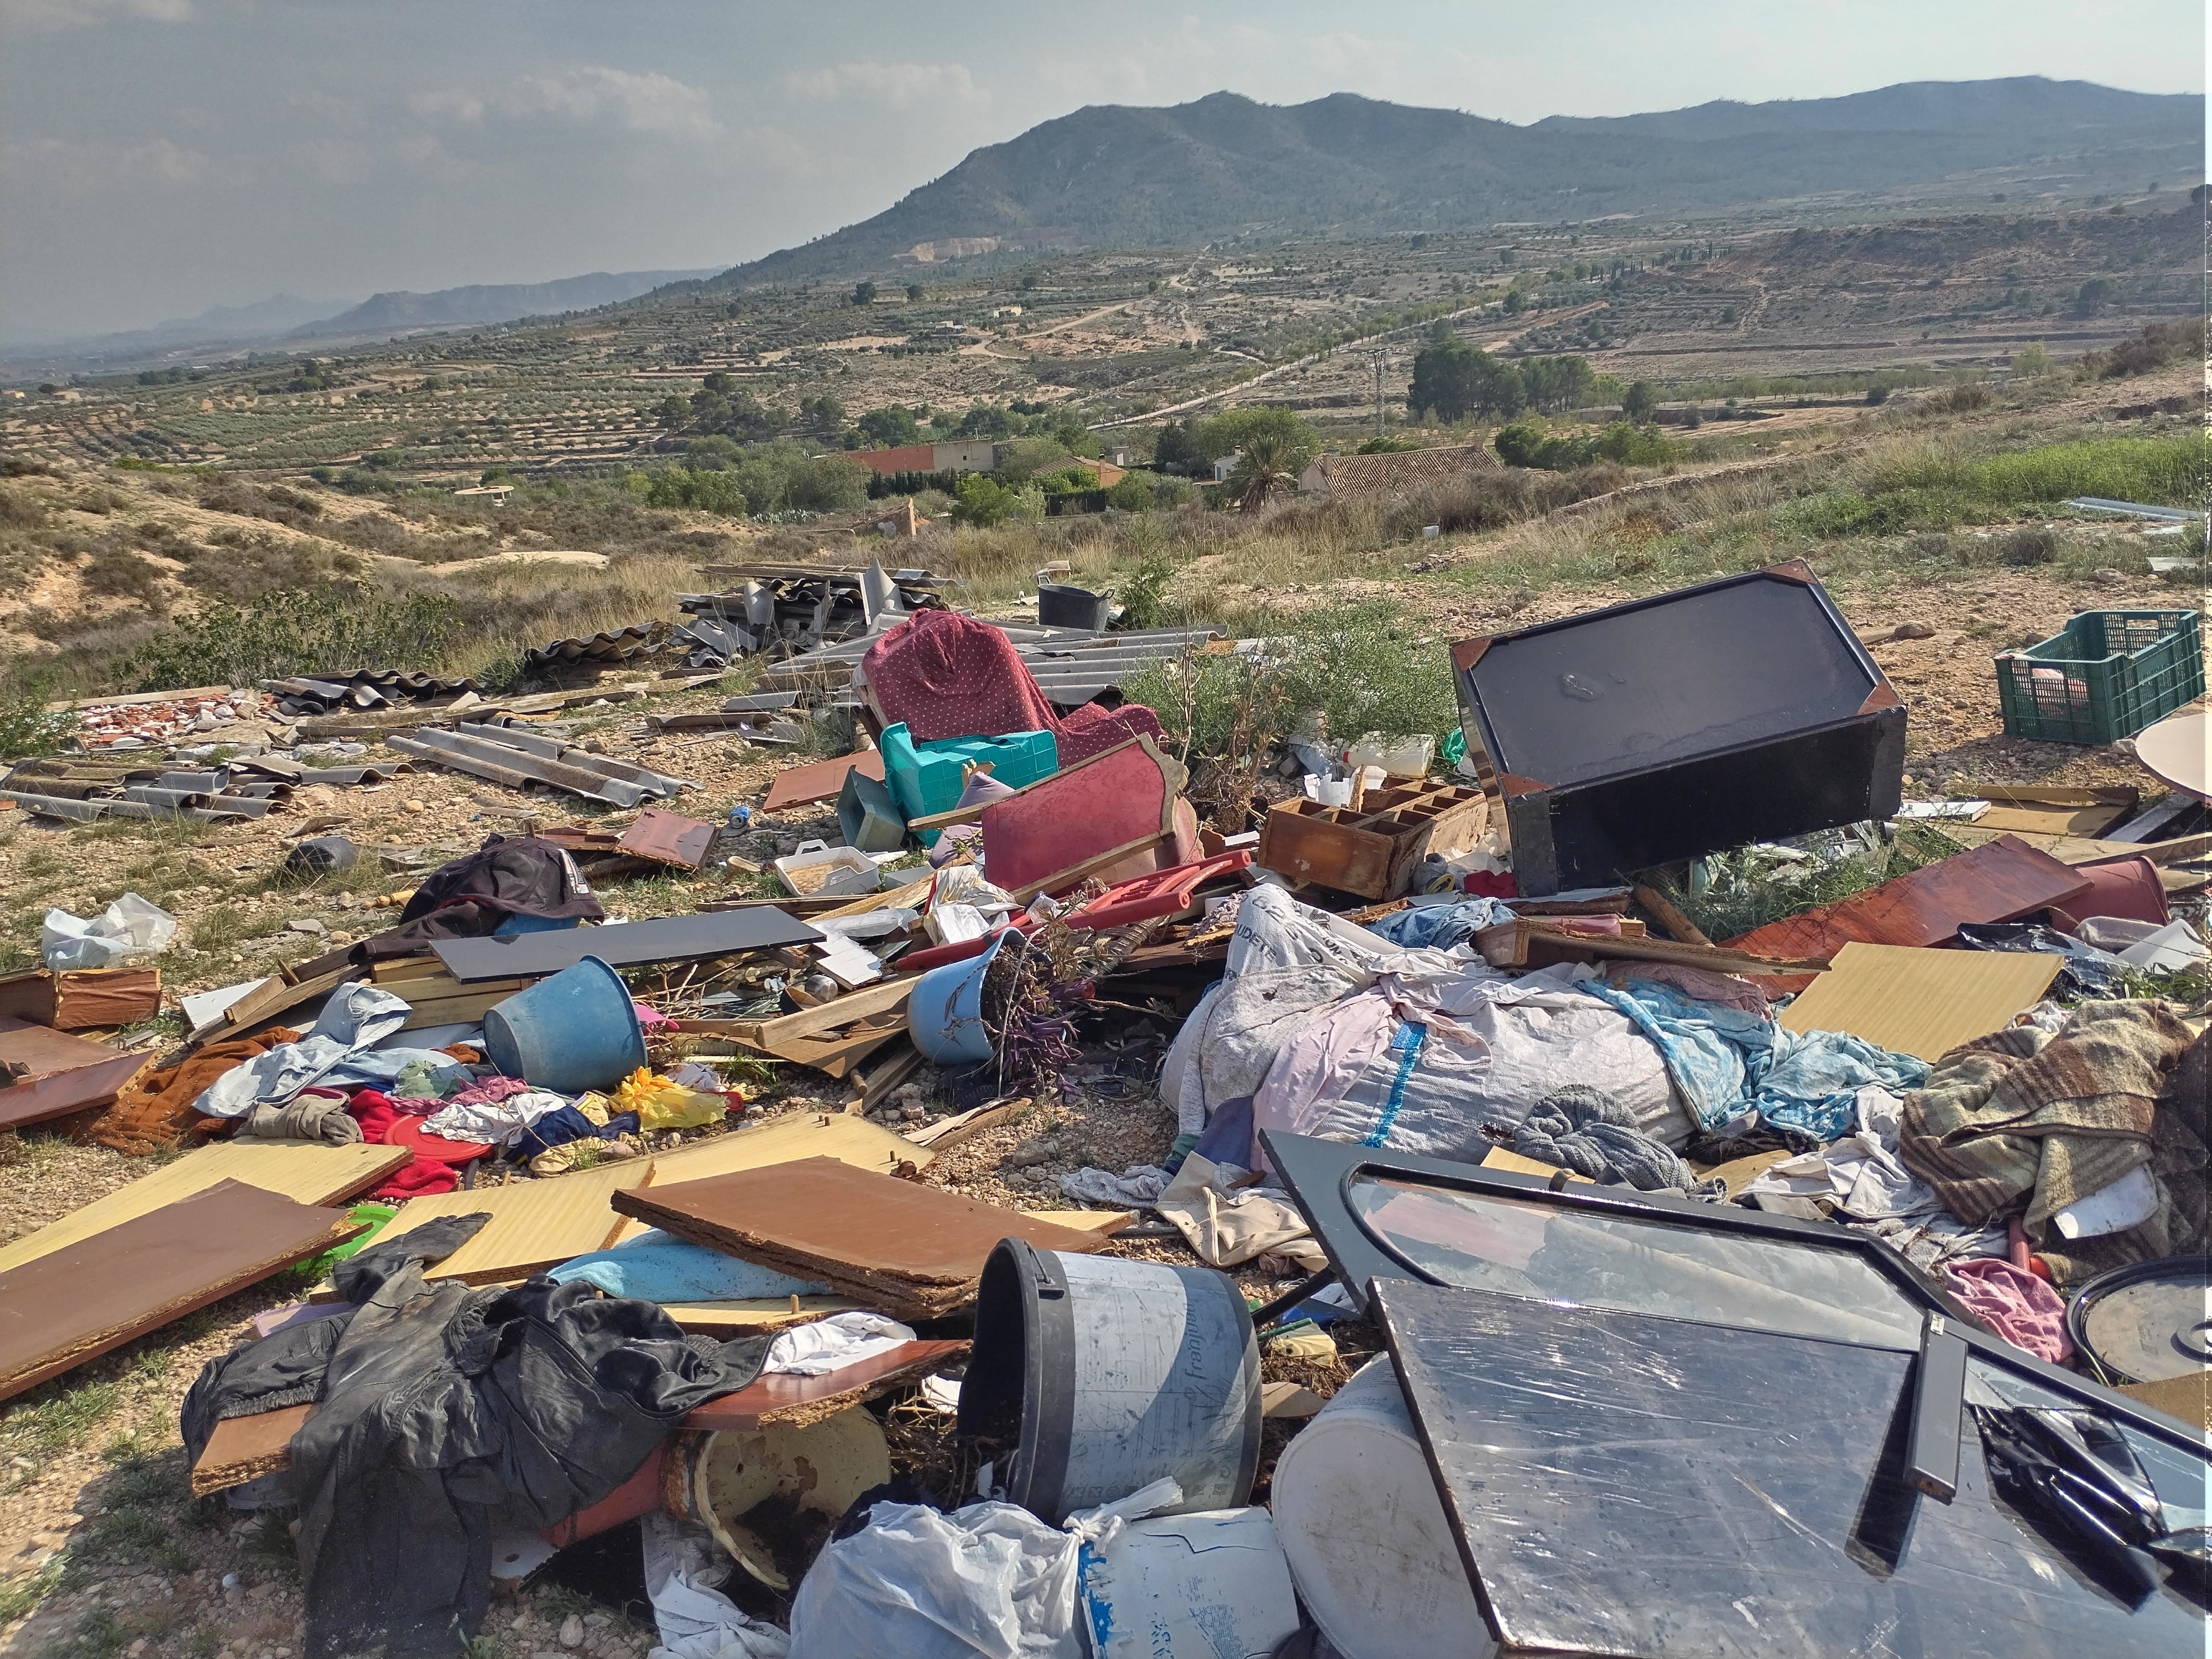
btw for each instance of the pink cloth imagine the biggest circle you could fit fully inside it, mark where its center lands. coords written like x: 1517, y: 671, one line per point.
x: 949, y: 676
x: 2014, y: 1304
x: 487, y: 1091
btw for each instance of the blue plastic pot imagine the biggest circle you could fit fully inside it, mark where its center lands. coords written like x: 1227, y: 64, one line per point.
x: 945, y: 1014
x: 573, y: 1031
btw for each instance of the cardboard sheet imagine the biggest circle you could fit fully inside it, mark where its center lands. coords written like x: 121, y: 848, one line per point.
x: 305, y: 1173
x: 1922, y: 1002
x: 87, y: 1298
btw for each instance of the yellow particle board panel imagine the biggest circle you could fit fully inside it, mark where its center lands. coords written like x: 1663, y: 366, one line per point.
x: 306, y: 1174
x: 538, y: 1224
x: 728, y: 1319
x: 1921, y: 1002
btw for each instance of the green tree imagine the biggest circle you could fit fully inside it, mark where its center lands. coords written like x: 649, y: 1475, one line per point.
x: 1029, y: 283
x: 864, y: 293
x: 913, y: 291
x: 888, y: 428
x: 1453, y: 381
x: 983, y: 502
x: 1176, y: 449
x: 2032, y: 361
x: 1554, y: 386
x: 719, y: 382
x: 1638, y: 402
x: 822, y: 414
x: 1275, y: 446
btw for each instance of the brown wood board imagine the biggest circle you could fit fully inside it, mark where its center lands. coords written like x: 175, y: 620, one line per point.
x: 2055, y: 812
x: 1524, y: 944
x: 771, y: 1313
x: 798, y: 1400
x: 668, y: 838
x: 539, y: 1224
x: 260, y: 1007
x: 243, y: 1449
x: 869, y: 1000
x: 90, y: 1297
x: 1921, y: 1002
x: 2001, y: 881
x: 65, y: 1074
x: 306, y: 1174
x: 864, y: 1235
x: 2089, y: 849
x: 820, y: 781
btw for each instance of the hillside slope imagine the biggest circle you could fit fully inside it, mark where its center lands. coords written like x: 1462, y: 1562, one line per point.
x: 1112, y: 176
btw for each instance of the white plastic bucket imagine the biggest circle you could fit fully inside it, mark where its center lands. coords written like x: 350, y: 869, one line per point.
x: 1364, y: 1533
x: 1211, y: 1585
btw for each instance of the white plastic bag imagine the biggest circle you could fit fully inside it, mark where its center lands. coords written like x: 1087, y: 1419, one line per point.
x: 131, y: 927
x: 683, y: 1571
x: 989, y: 1581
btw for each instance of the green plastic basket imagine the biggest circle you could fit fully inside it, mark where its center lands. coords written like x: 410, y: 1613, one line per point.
x: 2109, y: 675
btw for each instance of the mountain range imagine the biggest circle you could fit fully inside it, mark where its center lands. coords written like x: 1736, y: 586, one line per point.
x: 289, y: 319
x: 1111, y: 175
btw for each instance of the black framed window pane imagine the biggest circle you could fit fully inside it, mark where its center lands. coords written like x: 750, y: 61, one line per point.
x: 1551, y: 1252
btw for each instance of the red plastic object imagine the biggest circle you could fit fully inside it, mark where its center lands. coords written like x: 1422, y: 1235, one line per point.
x: 639, y: 1495
x: 2129, y: 888
x: 1160, y: 894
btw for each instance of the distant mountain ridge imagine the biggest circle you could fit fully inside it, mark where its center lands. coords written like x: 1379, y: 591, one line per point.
x: 288, y: 319
x: 497, y: 302
x: 1114, y: 175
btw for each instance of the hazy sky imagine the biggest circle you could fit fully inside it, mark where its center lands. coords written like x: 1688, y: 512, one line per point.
x: 161, y: 156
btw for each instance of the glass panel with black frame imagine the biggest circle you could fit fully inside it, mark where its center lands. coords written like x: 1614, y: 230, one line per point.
x: 1547, y: 1252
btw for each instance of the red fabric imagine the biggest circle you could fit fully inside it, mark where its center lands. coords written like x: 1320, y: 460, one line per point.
x: 418, y: 1179
x: 374, y: 1110
x: 408, y: 1132
x: 949, y: 676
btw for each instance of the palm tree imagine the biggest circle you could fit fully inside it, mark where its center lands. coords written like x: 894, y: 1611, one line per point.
x: 1270, y: 463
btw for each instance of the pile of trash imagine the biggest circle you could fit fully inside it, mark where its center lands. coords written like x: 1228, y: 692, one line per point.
x: 1904, y: 1186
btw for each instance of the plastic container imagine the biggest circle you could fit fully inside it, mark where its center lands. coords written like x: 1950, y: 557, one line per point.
x: 573, y: 1031
x: 725, y: 1476
x: 1061, y: 606
x: 2108, y: 675
x: 1214, y: 1584
x: 926, y: 777
x: 1364, y: 1533
x: 944, y: 1013
x: 1109, y: 1374
x: 817, y: 869
x: 1408, y: 757
x: 869, y: 818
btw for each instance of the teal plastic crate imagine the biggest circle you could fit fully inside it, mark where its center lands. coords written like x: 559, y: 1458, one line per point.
x: 2109, y: 675
x: 925, y: 777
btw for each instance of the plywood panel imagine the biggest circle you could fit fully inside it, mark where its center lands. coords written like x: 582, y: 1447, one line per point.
x: 538, y: 1224
x: 243, y: 1449
x: 87, y: 1298
x: 305, y: 1173
x: 1921, y: 1002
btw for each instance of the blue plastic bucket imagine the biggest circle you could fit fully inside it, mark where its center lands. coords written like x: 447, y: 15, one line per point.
x: 944, y: 1015
x: 573, y: 1030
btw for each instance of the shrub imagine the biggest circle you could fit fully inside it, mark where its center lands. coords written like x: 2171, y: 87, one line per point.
x: 1144, y: 595
x: 2030, y: 545
x: 982, y: 501
x: 1958, y: 399
x: 332, y: 631
x: 120, y: 572
x: 26, y: 726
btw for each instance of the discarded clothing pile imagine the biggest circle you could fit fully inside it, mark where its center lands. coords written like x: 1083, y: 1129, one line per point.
x: 2026, y: 1121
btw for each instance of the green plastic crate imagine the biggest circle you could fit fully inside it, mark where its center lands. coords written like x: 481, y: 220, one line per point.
x: 2109, y: 675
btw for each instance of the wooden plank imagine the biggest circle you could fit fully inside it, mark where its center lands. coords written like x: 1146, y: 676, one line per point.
x: 773, y: 1313
x: 820, y: 781
x: 60, y: 1074
x: 2000, y: 881
x: 90, y: 1296
x: 2085, y: 849
x: 243, y: 1449
x: 311, y: 1174
x: 799, y: 1400
x: 886, y: 1075
x: 840, y: 1054
x: 948, y: 1132
x: 1504, y: 1157
x: 258, y: 1008
x: 1524, y: 944
x: 1918, y: 1001
x: 881, y: 998
x: 1664, y: 912
x: 539, y: 1224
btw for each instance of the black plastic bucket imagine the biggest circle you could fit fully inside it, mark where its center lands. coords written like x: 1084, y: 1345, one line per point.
x: 1109, y: 1374
x: 1073, y: 607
